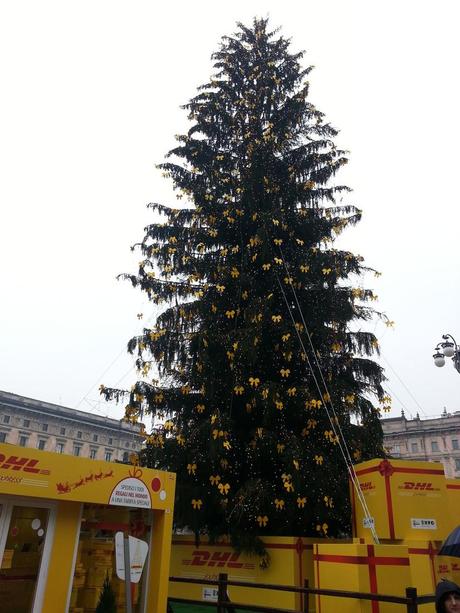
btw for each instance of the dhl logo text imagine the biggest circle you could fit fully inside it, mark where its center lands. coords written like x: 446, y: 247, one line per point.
x: 28, y: 465
x: 368, y: 485
x: 217, y: 559
x: 418, y: 486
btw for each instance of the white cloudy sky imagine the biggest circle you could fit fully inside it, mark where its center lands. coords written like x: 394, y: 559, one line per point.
x: 90, y: 96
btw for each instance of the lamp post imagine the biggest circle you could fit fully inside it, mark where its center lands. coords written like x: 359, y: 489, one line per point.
x: 447, y: 348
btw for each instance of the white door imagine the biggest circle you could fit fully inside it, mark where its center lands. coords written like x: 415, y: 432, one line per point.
x: 26, y: 534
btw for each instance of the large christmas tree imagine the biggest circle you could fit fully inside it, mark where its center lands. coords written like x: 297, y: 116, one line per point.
x: 260, y: 361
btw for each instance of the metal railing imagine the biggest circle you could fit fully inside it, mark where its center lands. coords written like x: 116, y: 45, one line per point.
x: 411, y: 600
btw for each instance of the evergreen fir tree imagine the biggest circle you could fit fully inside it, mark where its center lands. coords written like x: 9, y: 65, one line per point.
x: 240, y: 268
x: 107, y: 603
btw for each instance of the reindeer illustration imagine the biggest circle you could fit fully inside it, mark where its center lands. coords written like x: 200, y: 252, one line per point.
x: 63, y: 488
x: 78, y: 483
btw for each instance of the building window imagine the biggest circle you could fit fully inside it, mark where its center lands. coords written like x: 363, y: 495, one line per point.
x: 108, y: 456
x: 27, y: 423
x: 455, y: 443
x: 95, y: 438
x: 133, y: 445
x: 414, y: 447
x: 126, y: 457
x: 457, y: 463
x: 396, y: 449
x: 62, y: 431
x: 76, y: 450
x: 79, y: 434
x: 59, y: 447
x: 110, y: 441
x: 41, y: 444
x: 2, y: 437
x: 6, y: 419
x: 434, y: 446
x: 93, y: 453
x: 23, y: 441
x: 127, y: 444
x: 44, y: 427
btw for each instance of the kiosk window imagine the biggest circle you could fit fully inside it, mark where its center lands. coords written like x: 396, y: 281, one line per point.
x: 96, y: 555
x: 22, y: 558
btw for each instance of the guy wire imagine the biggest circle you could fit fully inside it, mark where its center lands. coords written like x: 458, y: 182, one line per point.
x: 335, y: 426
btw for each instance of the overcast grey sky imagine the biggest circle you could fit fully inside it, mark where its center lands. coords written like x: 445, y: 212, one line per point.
x: 90, y: 103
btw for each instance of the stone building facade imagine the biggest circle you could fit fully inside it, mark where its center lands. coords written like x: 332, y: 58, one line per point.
x: 33, y: 423
x: 435, y: 439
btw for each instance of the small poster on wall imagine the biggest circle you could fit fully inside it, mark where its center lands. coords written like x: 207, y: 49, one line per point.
x: 137, y: 555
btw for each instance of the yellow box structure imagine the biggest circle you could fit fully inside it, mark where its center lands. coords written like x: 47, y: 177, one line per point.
x: 407, y: 500
x: 374, y: 569
x: 423, y: 556
x: 58, y: 518
x: 291, y: 563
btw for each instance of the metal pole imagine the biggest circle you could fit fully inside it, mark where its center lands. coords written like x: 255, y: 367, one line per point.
x: 128, y: 603
x: 411, y: 594
x: 222, y: 592
x: 305, y: 597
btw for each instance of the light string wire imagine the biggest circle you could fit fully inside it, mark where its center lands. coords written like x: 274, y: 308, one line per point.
x: 335, y: 424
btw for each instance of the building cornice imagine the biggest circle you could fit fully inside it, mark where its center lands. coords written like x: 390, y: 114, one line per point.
x: 82, y: 418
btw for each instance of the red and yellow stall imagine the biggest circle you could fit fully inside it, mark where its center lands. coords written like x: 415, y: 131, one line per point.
x: 59, y: 517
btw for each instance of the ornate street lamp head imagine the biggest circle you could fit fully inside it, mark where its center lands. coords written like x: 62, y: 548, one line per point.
x: 439, y: 359
x: 456, y: 361
x: 447, y: 348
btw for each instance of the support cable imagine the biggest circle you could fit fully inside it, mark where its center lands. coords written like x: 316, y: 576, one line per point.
x: 335, y: 424
x: 106, y: 370
x: 405, y: 386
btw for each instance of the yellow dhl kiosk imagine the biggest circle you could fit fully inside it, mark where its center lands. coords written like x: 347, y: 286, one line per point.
x: 61, y: 518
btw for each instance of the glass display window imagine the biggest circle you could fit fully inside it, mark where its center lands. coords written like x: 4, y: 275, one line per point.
x: 24, y: 533
x: 96, y: 556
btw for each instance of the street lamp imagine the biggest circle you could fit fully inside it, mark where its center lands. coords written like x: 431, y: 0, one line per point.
x: 447, y: 348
